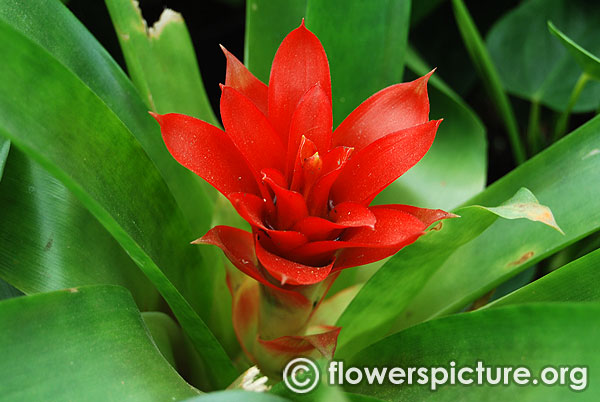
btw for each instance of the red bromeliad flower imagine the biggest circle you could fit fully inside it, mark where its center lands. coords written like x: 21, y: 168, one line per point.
x: 304, y: 188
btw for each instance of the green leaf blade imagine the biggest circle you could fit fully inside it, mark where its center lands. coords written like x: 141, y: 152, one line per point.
x: 506, y: 336
x: 47, y: 128
x: 89, y: 344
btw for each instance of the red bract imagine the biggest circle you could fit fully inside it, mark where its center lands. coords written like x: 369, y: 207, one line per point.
x: 304, y: 188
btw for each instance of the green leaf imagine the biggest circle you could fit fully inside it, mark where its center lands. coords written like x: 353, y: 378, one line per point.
x: 589, y: 63
x: 70, y: 132
x: 576, y: 281
x: 535, y: 336
x: 49, y: 241
x: 162, y: 63
x: 535, y: 66
x: 267, y: 23
x: 454, y: 169
x: 489, y: 76
x: 52, y: 26
x: 86, y: 343
x: 561, y: 177
x: 161, y: 60
x: 365, y: 42
x: 372, y: 312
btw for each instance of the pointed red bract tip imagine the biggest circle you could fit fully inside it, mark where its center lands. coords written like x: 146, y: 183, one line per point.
x: 156, y: 116
x: 222, y: 86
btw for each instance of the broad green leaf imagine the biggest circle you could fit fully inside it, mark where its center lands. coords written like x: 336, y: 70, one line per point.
x: 52, y: 26
x: 534, y: 65
x: 267, y: 23
x: 576, y: 281
x: 589, y: 63
x: 161, y: 60
x: 60, y: 123
x: 534, y: 336
x: 561, y: 177
x: 49, y: 241
x: 489, y: 76
x: 386, y: 295
x: 455, y: 168
x: 235, y: 395
x: 163, y: 66
x: 87, y: 343
x: 365, y: 43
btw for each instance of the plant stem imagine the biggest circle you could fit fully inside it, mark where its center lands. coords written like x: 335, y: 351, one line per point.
x: 563, y: 121
x: 533, y: 128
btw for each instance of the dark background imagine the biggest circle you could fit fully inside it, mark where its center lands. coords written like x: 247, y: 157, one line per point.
x: 436, y: 37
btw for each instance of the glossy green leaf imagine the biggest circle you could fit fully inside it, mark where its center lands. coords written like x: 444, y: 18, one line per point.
x: 49, y: 241
x: 589, y: 63
x: 534, y: 336
x: 109, y: 173
x: 365, y: 42
x: 86, y: 343
x: 561, y: 177
x: 534, y: 65
x: 161, y: 60
x: 455, y: 168
x: 267, y: 23
x: 372, y: 312
x: 579, y: 280
x: 162, y: 63
x: 52, y: 26
x: 489, y: 76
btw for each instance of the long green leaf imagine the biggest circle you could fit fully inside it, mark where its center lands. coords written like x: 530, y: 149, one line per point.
x: 49, y: 241
x: 534, y: 65
x: 267, y: 23
x: 162, y: 64
x: 489, y: 76
x: 535, y: 336
x: 53, y: 27
x: 365, y: 43
x: 372, y: 312
x: 56, y: 120
x: 577, y: 281
x: 589, y: 63
x: 161, y: 60
x: 562, y: 177
x: 86, y: 343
